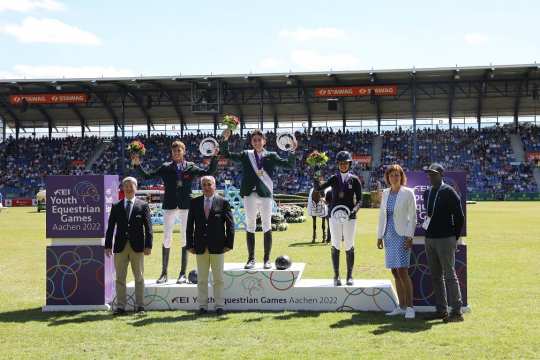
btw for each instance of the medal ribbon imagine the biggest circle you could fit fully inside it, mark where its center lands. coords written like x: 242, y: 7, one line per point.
x: 258, y: 159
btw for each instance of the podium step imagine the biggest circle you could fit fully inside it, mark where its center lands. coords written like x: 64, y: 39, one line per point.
x: 273, y: 290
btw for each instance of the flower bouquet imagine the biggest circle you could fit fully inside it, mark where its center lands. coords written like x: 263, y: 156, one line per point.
x: 136, y: 148
x: 231, y: 121
x: 316, y: 160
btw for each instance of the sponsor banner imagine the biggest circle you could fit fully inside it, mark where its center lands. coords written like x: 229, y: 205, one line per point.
x: 61, y: 98
x: 221, y: 162
x: 419, y: 181
x: 272, y: 290
x: 79, y: 206
x: 533, y: 156
x: 20, y: 202
x: 362, y: 159
x: 343, y: 91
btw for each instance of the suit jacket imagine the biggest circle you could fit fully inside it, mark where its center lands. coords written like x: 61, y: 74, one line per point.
x: 138, y: 230
x: 404, y: 215
x: 177, y: 196
x: 214, y: 233
x: 250, y: 179
x: 447, y: 217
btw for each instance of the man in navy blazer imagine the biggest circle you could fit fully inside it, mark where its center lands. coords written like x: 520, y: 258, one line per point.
x: 130, y: 218
x: 210, y: 234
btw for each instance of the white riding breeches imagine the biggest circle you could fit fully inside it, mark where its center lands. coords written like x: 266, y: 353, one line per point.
x: 254, y: 204
x: 345, y: 231
x: 169, y: 218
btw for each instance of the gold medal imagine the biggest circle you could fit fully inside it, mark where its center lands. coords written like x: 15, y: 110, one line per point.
x: 260, y: 173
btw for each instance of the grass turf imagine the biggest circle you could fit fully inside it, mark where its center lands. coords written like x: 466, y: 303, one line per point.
x: 504, y: 293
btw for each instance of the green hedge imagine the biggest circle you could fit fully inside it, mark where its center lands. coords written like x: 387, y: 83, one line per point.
x: 488, y: 196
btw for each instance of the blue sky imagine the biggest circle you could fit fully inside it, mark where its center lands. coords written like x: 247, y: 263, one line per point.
x: 55, y: 38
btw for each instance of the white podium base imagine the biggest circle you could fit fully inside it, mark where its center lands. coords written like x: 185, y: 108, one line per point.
x: 76, y: 308
x: 273, y: 290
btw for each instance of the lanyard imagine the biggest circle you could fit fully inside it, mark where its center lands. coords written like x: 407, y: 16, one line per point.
x: 179, y: 170
x: 435, y: 200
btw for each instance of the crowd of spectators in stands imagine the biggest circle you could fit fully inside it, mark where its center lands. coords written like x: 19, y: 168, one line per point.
x: 486, y: 155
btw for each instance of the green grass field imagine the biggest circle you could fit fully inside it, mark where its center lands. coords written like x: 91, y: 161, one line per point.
x: 504, y: 293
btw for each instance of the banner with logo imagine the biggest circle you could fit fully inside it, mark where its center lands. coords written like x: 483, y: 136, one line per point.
x: 344, y: 91
x: 362, y: 159
x: 79, y: 206
x: 61, y: 98
x: 533, y: 156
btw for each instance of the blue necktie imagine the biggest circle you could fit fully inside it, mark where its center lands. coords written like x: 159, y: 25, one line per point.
x: 128, y: 208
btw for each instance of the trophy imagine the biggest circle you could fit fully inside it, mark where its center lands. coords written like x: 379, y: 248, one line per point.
x: 208, y: 146
x: 341, y: 214
x: 286, y: 141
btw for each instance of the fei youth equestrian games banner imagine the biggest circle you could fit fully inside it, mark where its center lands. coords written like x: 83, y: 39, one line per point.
x: 79, y: 206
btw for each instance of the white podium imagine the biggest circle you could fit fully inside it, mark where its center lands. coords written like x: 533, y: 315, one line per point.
x: 272, y: 290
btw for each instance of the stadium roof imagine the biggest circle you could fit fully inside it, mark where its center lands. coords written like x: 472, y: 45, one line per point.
x: 509, y: 90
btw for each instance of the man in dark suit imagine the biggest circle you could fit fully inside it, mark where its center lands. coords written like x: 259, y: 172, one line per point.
x: 177, y: 175
x: 132, y: 241
x: 210, y: 234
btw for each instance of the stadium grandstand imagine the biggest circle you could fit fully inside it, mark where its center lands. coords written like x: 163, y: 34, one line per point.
x: 479, y: 119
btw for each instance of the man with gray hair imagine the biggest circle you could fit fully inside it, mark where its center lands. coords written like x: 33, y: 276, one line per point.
x: 132, y: 241
x: 210, y: 234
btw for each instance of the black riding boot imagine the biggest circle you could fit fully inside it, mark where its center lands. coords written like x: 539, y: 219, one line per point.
x: 314, y: 229
x: 267, y: 249
x: 183, y: 265
x: 350, y: 264
x: 250, y: 241
x: 164, y: 265
x: 335, y: 263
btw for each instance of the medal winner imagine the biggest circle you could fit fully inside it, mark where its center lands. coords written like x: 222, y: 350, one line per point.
x: 177, y: 175
x: 346, y: 191
x: 257, y: 188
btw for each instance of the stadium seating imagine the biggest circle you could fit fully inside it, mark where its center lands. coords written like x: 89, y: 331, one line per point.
x: 486, y: 155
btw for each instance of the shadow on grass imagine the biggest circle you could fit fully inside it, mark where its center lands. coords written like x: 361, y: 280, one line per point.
x: 297, y: 315
x: 52, y: 318
x: 308, y: 243
x: 175, y: 319
x: 273, y: 315
x: 386, y: 324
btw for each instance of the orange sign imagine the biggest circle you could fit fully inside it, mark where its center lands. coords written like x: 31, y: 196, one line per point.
x: 533, y: 156
x: 64, y: 98
x: 341, y: 91
x: 221, y: 162
x: 362, y: 159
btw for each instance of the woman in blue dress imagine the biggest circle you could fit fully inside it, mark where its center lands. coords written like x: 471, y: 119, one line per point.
x: 397, y: 222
